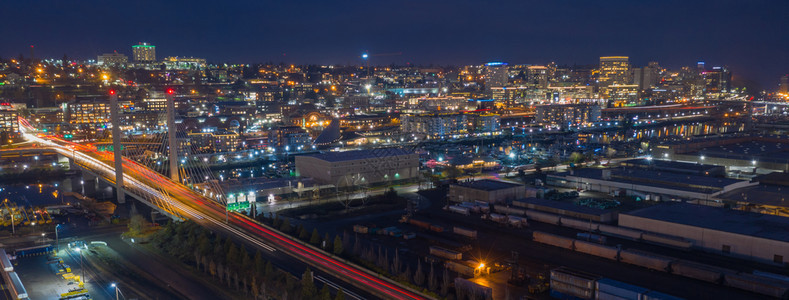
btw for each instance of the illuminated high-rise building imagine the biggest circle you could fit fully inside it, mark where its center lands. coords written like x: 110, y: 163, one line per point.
x: 144, y: 52
x: 496, y: 74
x: 646, y: 77
x: 614, y: 70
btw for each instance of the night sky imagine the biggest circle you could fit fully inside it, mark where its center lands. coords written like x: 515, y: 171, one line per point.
x: 750, y: 36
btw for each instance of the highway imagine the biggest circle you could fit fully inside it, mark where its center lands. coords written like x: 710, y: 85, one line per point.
x: 191, y: 205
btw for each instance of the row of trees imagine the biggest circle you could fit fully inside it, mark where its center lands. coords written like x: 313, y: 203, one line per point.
x: 233, y: 265
x: 334, y: 245
x: 430, y: 278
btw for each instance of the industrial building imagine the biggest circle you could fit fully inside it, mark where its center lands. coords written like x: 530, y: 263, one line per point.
x: 742, y: 234
x: 732, y: 151
x: 567, y: 209
x: 486, y: 190
x: 360, y: 167
x: 647, y: 184
x: 674, y: 167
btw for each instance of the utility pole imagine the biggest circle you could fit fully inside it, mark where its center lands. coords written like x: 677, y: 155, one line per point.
x: 116, y: 146
x: 173, y: 152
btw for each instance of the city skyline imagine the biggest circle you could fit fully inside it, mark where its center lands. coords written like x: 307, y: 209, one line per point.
x: 433, y: 33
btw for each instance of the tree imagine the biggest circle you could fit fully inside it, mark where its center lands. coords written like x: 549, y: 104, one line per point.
x: 204, y: 244
x: 325, y: 293
x: 396, y: 264
x: 212, y: 268
x: 255, y: 287
x: 406, y: 275
x: 337, y: 245
x: 340, y: 295
x: 419, y: 277
x: 452, y: 172
x: 315, y: 239
x: 260, y: 265
x: 285, y: 226
x: 445, y: 283
x: 246, y: 261
x: 303, y: 235
x: 307, y: 285
x: 137, y: 224
x: 269, y: 271
x: 432, y: 281
x: 231, y: 259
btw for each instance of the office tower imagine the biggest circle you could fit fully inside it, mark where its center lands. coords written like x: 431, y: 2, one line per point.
x: 496, y: 74
x: 144, y: 52
x: 646, y: 77
x: 614, y: 70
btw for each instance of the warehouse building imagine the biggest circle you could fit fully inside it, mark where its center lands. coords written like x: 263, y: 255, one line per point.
x: 724, y: 231
x: 360, y: 167
x: 733, y: 151
x: 486, y: 190
x: 647, y: 184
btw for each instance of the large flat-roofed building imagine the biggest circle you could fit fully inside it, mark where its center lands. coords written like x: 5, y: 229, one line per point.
x: 486, y: 190
x: 674, y: 167
x: 360, y: 167
x: 648, y: 184
x: 112, y: 59
x: 567, y: 209
x: 743, y: 234
x: 733, y: 151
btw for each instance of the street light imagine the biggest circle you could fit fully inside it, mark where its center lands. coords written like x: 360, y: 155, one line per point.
x: 114, y: 285
x: 57, y: 240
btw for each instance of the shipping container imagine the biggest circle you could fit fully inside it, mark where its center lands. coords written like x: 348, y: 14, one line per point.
x: 591, y: 237
x: 360, y: 229
x: 459, y: 268
x: 607, y: 288
x: 5, y: 261
x: 573, y: 283
x: 542, y: 217
x: 699, y: 271
x: 578, y: 224
x: 517, y: 221
x: 620, y: 231
x: 758, y: 284
x: 420, y: 224
x: 666, y: 240
x: 598, y: 250
x: 459, y: 210
x: 15, y: 285
x: 445, y: 253
x: 498, y: 218
x: 465, y: 232
x: 645, y: 259
x: 553, y: 240
x: 655, y: 295
x: 436, y: 228
x: 509, y: 210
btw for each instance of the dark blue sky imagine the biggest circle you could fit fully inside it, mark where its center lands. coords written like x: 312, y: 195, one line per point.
x: 750, y: 36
